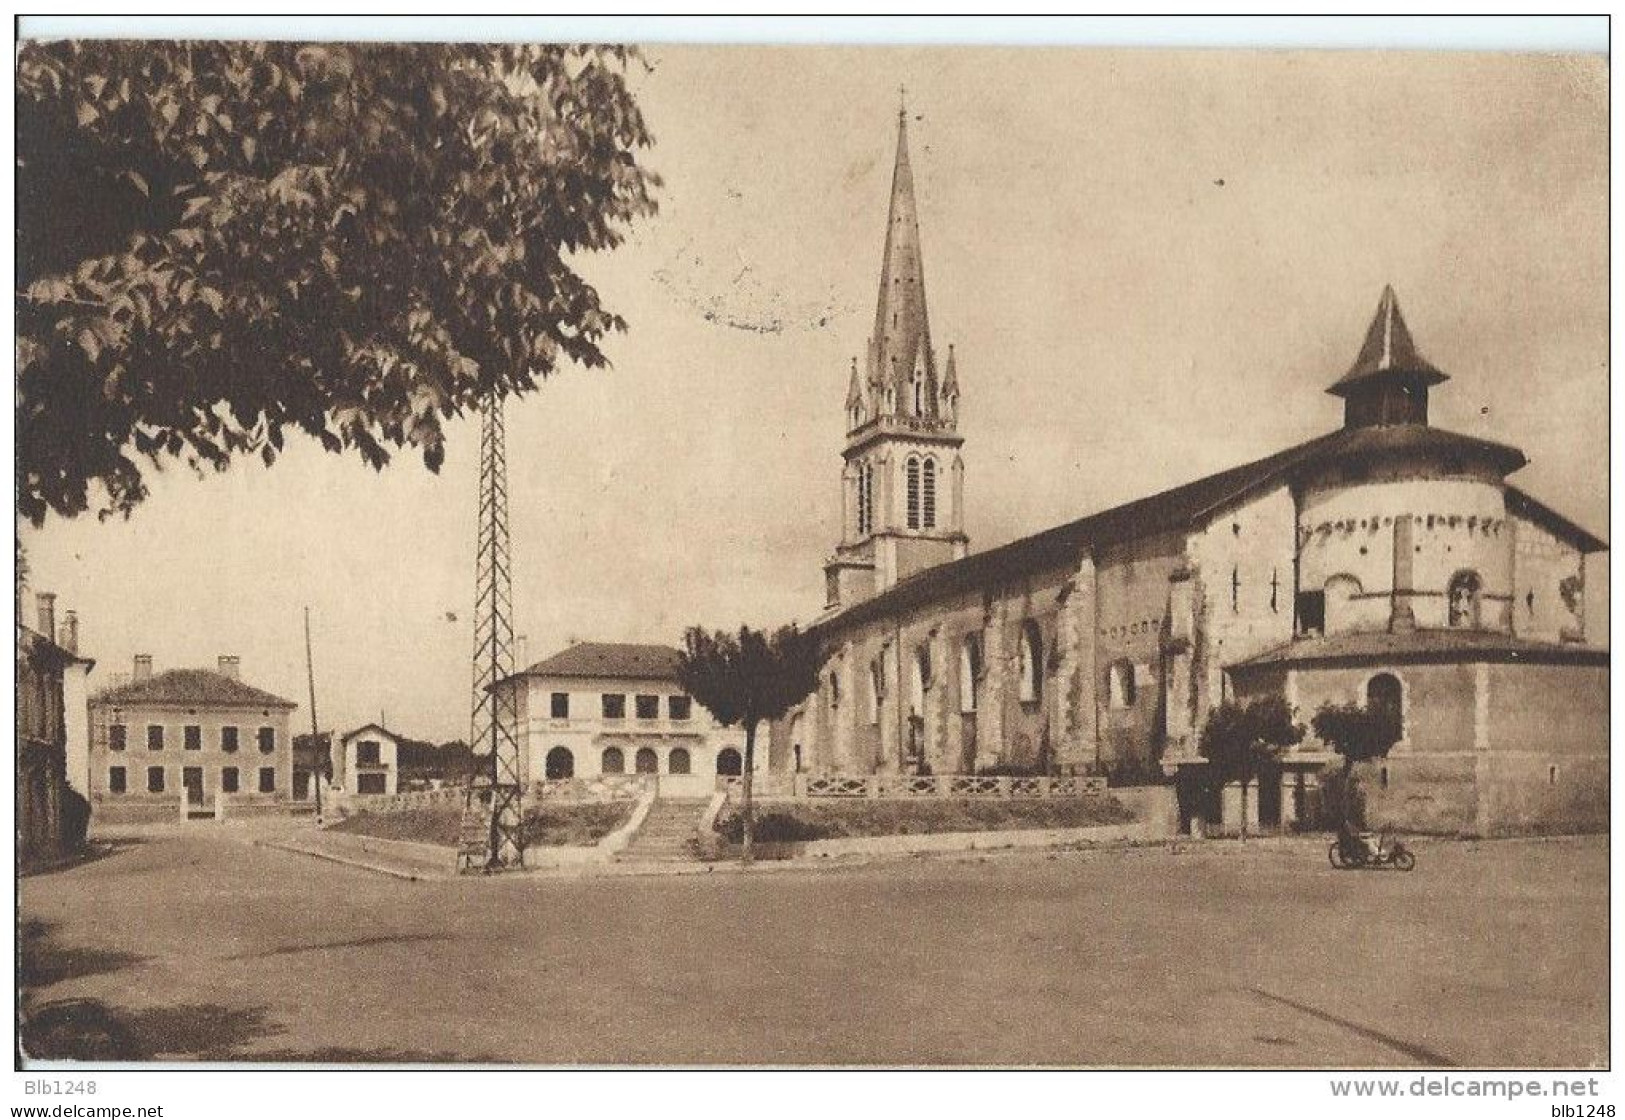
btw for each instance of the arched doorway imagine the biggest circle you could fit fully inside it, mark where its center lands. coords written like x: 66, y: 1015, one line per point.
x: 560, y: 763
x: 678, y: 763
x: 646, y: 761
x: 614, y: 761
x: 729, y: 763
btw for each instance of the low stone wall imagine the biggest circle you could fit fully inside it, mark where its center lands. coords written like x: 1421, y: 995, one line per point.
x: 990, y: 841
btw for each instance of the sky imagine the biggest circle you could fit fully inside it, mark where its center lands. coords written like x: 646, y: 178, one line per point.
x: 1151, y: 265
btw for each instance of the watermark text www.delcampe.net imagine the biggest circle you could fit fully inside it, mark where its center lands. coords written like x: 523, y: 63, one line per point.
x: 1505, y: 1088
x: 86, y: 1112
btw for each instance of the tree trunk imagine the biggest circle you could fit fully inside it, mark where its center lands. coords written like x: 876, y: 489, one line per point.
x: 747, y: 808
x: 1348, y: 793
x: 1244, y: 810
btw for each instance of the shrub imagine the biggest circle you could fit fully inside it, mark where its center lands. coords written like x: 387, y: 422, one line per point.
x: 75, y: 819
x: 772, y: 828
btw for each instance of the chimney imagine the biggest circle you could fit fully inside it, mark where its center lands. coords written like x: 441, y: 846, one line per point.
x: 228, y: 666
x: 69, y: 639
x: 1401, y: 616
x: 47, y: 614
x: 143, y: 668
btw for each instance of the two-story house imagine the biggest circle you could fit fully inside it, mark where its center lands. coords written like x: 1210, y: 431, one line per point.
x: 50, y: 694
x: 198, y: 735
x: 608, y: 708
x: 368, y: 761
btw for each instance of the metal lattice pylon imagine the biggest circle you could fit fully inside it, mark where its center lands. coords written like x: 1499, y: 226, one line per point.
x: 493, y: 724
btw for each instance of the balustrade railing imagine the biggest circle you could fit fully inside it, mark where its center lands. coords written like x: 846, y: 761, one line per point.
x: 837, y: 786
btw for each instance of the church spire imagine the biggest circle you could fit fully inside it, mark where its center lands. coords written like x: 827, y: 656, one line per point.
x: 900, y: 348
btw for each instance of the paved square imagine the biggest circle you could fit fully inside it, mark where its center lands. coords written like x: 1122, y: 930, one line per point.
x: 1489, y: 954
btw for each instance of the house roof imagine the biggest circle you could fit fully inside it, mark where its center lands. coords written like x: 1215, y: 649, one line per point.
x: 1177, y: 509
x: 609, y: 659
x: 200, y: 688
x: 1519, y: 502
x: 44, y: 650
x: 1421, y: 645
x: 378, y: 727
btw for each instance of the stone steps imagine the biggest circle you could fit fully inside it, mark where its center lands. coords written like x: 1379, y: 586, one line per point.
x: 666, y: 832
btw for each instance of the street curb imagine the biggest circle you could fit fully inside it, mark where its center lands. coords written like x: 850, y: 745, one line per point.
x: 347, y: 861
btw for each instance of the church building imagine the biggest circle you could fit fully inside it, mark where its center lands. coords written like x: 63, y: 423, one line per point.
x: 1387, y: 562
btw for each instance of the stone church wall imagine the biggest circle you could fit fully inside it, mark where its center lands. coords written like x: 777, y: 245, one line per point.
x: 1548, y: 584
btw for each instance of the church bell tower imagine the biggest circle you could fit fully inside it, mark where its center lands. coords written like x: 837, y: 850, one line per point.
x: 902, y: 483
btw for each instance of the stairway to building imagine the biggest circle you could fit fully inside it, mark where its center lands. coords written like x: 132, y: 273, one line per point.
x: 667, y: 832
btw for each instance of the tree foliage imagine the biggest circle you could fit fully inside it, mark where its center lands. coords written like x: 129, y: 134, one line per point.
x: 745, y: 678
x: 1359, y: 734
x: 220, y: 242
x: 1239, y: 740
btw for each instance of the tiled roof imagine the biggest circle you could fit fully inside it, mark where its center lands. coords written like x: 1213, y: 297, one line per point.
x: 1519, y: 502
x: 200, y: 688
x: 45, y: 650
x: 1388, y: 349
x: 1423, y: 645
x: 609, y: 659
x: 378, y: 727
x: 1178, y: 509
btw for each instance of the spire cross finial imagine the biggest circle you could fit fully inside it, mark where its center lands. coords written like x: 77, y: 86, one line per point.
x: 902, y: 101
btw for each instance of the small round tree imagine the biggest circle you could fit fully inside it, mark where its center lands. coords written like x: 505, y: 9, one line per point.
x: 1239, y: 740
x: 744, y: 679
x: 1358, y: 734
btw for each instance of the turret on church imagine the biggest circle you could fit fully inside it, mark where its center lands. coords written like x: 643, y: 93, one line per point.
x: 902, y: 484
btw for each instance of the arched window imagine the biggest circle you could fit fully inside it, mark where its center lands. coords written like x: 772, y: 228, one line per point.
x: 1341, y: 591
x: 866, y: 491
x: 921, y: 680
x: 913, y: 485
x: 834, y: 691
x: 646, y: 761
x: 1384, y: 694
x: 970, y: 671
x: 729, y: 763
x: 1120, y: 684
x: 919, y: 396
x: 1032, y: 663
x: 877, y: 688
x: 1463, y: 595
x: 560, y: 763
x: 678, y: 761
x: 614, y: 761
x: 928, y: 494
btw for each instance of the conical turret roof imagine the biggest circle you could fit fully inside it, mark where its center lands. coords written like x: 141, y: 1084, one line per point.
x: 1388, y: 351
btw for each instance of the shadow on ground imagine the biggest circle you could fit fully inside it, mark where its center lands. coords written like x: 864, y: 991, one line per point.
x: 94, y: 852
x: 45, y: 961
x: 90, y: 1030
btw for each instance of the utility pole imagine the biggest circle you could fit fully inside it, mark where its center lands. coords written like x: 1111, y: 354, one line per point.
x: 315, y: 736
x: 492, y: 709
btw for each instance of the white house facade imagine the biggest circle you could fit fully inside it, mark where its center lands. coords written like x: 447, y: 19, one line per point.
x: 599, y: 708
x: 369, y: 761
